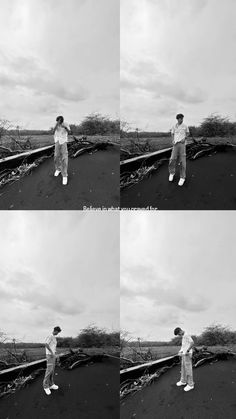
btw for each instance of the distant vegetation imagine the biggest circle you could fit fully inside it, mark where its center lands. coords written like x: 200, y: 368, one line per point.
x: 213, y: 126
x: 212, y: 335
x: 93, y: 124
x: 89, y: 337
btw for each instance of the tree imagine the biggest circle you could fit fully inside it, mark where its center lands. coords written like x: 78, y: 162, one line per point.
x: 92, y: 336
x: 217, y: 334
x: 95, y: 123
x: 216, y: 125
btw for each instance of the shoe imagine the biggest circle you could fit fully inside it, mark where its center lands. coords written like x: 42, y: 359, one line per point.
x: 64, y: 180
x: 171, y: 177
x: 54, y: 387
x: 188, y: 388
x: 57, y: 172
x: 180, y: 383
x: 181, y: 181
x: 47, y: 391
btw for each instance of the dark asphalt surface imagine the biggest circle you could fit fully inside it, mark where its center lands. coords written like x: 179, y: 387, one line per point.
x: 210, y: 185
x: 90, y: 392
x: 214, y: 396
x: 93, y: 181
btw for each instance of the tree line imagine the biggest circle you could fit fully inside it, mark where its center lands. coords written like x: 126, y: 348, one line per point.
x: 212, y: 335
x: 213, y: 126
x: 93, y: 124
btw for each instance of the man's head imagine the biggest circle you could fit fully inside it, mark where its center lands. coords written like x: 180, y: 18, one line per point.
x: 180, y: 118
x: 178, y: 331
x: 60, y: 119
x: 56, y: 330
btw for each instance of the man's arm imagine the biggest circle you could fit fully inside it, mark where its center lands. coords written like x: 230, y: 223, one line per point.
x: 48, y: 347
x: 54, y: 129
x: 191, y: 344
x: 67, y: 128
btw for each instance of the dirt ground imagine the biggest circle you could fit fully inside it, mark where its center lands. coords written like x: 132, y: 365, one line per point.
x: 93, y: 180
x: 210, y: 185
x: 84, y: 393
x: 212, y: 398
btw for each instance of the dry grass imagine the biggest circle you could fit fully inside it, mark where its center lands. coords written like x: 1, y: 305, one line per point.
x: 159, y: 352
x: 159, y: 143
x: 38, y: 141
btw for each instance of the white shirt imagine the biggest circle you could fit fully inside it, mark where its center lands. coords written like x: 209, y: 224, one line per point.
x: 180, y: 132
x: 186, y: 341
x: 51, y: 340
x: 61, y: 134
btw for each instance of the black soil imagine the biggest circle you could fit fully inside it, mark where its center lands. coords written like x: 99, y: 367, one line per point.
x: 210, y: 185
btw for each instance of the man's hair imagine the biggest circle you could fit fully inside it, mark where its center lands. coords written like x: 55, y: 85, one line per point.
x: 57, y: 329
x: 60, y: 118
x: 179, y: 115
x: 177, y: 331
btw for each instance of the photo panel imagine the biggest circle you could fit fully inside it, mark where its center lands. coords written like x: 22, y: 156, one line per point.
x: 59, y: 113
x: 178, y: 331
x: 178, y: 120
x: 59, y: 334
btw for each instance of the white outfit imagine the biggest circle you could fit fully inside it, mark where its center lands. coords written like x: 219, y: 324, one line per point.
x: 52, y: 343
x: 61, y: 135
x: 180, y: 132
x: 186, y: 341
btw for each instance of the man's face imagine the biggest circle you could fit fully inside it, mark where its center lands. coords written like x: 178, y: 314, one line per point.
x: 180, y: 120
x: 55, y: 332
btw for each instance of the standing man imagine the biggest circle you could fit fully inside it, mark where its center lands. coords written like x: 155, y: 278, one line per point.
x: 185, y: 353
x: 51, y: 345
x: 61, y: 131
x: 179, y: 134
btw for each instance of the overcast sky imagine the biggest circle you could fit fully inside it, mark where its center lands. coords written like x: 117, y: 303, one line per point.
x: 58, y: 268
x: 177, y: 269
x: 177, y: 56
x: 58, y: 57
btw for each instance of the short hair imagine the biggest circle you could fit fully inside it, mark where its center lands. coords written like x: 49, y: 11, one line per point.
x: 60, y: 117
x: 179, y: 115
x: 57, y: 329
x: 177, y: 331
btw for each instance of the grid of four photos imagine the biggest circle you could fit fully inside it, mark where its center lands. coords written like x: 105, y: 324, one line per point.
x: 117, y: 209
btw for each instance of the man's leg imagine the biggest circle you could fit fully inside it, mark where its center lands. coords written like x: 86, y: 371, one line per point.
x: 51, y: 377
x: 173, y: 159
x: 182, y: 157
x: 189, y: 370
x: 48, y: 372
x: 57, y: 156
x: 64, y: 160
x: 183, y: 370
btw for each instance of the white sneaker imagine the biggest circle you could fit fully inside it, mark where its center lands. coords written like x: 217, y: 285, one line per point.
x: 181, y: 181
x: 47, y: 391
x: 171, y: 177
x: 188, y: 388
x: 54, y: 387
x: 64, y: 180
x: 57, y: 172
x: 180, y: 383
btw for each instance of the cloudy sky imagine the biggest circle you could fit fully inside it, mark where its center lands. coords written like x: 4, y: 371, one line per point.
x: 177, y: 269
x: 177, y: 56
x: 58, y: 268
x: 58, y: 57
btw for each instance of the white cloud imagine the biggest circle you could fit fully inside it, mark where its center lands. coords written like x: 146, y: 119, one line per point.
x: 176, y: 269
x: 58, y: 267
x: 66, y: 53
x: 185, y: 55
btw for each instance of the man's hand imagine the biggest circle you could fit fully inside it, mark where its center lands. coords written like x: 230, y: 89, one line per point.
x: 180, y: 353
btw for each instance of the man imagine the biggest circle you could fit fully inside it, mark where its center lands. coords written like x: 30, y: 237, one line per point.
x: 61, y: 131
x: 185, y: 353
x: 179, y: 134
x: 50, y: 345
